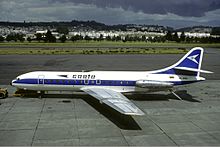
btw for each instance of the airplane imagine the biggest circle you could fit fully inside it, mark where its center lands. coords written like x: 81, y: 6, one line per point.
x: 108, y: 86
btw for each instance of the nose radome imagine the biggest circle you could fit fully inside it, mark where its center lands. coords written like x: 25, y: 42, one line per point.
x: 11, y: 83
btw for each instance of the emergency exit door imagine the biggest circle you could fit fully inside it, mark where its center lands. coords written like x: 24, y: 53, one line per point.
x: 41, y: 79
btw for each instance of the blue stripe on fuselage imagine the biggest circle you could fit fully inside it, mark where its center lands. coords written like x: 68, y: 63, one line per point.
x: 78, y: 82
x: 90, y: 82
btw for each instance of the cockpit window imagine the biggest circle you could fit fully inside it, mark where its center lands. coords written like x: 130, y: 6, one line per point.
x: 18, y: 79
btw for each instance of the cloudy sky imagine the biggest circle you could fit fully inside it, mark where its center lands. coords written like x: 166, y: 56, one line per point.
x: 174, y: 13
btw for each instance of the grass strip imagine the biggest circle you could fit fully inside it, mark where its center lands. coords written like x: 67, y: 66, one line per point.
x: 108, y: 44
x: 74, y: 51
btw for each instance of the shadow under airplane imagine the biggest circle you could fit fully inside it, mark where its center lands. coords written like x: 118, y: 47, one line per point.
x: 125, y: 122
x: 162, y: 97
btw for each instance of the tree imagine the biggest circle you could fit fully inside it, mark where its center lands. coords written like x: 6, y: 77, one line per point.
x: 158, y: 39
x: 100, y: 37
x: 63, y: 38
x: 168, y: 36
x: 182, y: 37
x: 87, y: 38
x: 143, y: 38
x: 2, y: 39
x: 118, y: 38
x: 150, y: 39
x: 162, y: 39
x: 114, y: 38
x: 49, y: 37
x: 73, y: 38
x: 9, y: 37
x: 108, y: 38
x: 188, y: 39
x: 127, y: 38
x: 175, y: 37
x: 29, y: 39
x: 62, y: 30
x: 20, y: 37
x: 79, y: 37
x: 135, y: 38
x: 76, y: 37
x: 38, y: 37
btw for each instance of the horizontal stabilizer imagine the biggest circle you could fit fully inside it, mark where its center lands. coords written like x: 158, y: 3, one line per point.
x: 192, y: 69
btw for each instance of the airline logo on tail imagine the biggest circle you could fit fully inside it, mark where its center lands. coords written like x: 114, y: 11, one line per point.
x: 193, y: 58
x: 191, y: 62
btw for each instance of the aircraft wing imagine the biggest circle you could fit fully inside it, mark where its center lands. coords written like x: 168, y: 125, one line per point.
x: 113, y: 99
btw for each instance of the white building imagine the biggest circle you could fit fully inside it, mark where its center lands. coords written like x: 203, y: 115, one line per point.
x: 190, y: 34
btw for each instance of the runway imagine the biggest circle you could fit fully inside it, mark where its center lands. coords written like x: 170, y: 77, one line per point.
x: 81, y: 120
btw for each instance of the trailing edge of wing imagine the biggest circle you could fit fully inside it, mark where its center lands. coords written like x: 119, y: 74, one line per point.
x: 113, y: 99
x: 193, y: 69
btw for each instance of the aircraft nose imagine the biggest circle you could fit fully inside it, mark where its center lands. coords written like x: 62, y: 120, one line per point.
x: 11, y: 83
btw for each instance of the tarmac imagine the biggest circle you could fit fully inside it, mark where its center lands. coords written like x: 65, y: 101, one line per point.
x: 78, y: 119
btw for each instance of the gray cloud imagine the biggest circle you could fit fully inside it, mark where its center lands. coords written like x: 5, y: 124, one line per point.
x: 195, y: 8
x: 170, y: 12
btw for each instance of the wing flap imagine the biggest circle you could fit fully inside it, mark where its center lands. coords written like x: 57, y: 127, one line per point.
x: 113, y: 99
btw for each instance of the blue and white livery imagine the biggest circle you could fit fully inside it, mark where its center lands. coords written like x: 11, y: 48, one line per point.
x: 108, y: 86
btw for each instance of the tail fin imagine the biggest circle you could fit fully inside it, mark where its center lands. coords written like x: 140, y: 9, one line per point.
x: 190, y: 64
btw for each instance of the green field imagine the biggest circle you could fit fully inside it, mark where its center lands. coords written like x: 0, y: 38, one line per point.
x: 89, y: 51
x: 111, y: 43
x: 97, y: 47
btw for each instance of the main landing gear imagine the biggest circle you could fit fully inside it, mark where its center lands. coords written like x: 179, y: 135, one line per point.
x: 176, y: 95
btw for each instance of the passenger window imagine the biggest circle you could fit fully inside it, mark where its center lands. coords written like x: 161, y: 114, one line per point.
x: 86, y: 82
x: 98, y: 81
x: 171, y: 77
x: 92, y: 82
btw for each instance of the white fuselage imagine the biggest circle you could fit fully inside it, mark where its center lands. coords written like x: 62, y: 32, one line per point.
x: 120, y: 81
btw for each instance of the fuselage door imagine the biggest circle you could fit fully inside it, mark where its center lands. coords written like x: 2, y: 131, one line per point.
x: 41, y: 79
